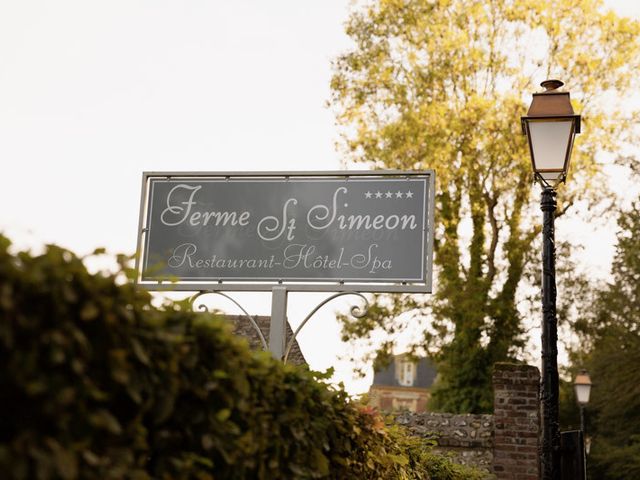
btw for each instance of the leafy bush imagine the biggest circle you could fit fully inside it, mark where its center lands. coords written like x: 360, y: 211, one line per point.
x: 95, y: 383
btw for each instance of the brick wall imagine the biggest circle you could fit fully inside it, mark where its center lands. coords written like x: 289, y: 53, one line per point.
x: 505, y: 443
x: 517, y: 422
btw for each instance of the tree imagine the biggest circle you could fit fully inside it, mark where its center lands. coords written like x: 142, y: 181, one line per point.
x: 613, y: 356
x: 442, y: 84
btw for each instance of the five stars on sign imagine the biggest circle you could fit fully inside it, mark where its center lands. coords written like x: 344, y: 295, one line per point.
x: 389, y: 194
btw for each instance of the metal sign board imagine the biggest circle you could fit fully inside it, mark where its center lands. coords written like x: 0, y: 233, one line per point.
x: 370, y: 231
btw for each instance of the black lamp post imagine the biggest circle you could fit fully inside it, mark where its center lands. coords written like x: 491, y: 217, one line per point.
x: 582, y: 384
x: 550, y: 126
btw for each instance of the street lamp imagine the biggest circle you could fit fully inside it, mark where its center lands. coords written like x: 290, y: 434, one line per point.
x: 582, y: 384
x: 550, y: 126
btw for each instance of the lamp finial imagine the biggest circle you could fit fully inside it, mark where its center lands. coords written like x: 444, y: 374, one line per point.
x: 551, y: 84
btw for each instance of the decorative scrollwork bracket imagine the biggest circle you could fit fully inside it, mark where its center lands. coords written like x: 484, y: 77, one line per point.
x: 278, y: 317
x: 252, y: 320
x: 356, y: 311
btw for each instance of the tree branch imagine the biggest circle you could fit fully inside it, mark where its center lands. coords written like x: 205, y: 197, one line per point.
x: 491, y: 203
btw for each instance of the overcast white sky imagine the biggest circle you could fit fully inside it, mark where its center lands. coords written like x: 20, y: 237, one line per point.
x: 94, y: 93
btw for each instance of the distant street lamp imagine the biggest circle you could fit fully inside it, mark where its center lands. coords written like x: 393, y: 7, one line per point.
x: 550, y: 126
x: 582, y: 384
x: 587, y: 445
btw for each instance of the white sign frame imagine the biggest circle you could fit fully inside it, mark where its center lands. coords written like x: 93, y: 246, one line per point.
x: 293, y: 286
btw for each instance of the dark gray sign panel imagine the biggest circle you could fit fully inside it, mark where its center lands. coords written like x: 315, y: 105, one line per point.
x: 301, y: 228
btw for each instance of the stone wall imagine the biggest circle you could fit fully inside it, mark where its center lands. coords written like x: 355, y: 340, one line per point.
x: 505, y: 443
x: 469, y: 438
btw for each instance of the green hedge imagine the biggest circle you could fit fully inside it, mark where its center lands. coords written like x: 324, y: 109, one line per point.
x: 95, y: 383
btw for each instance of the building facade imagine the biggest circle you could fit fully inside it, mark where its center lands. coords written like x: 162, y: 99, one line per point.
x: 404, y: 385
